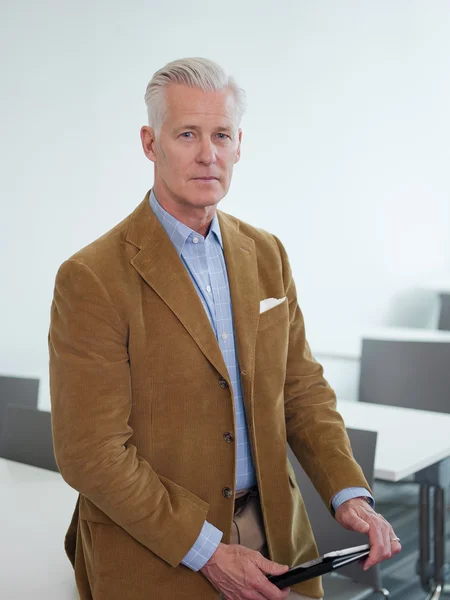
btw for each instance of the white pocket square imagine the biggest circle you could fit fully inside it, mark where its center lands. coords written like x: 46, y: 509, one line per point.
x: 269, y: 303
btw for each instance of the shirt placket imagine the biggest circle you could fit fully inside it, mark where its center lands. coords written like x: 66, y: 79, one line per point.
x: 245, y: 475
x: 195, y: 258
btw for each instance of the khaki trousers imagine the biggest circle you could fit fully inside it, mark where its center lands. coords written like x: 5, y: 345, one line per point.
x: 248, y: 530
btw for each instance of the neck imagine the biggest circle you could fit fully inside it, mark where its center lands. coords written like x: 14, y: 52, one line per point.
x: 197, y: 218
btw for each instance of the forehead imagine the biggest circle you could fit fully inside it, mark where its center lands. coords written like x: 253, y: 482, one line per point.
x: 197, y: 106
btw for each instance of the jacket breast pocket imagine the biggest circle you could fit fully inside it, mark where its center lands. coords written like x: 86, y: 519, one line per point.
x: 273, y: 316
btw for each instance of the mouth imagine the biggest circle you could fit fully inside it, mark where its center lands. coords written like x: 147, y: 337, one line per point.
x: 205, y: 179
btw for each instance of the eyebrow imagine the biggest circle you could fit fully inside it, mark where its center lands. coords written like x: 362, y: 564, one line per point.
x: 227, y: 128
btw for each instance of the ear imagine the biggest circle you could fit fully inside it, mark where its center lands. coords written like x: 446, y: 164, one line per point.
x: 238, y: 151
x: 148, y: 140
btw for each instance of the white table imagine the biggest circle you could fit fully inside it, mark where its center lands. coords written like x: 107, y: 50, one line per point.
x: 36, y: 506
x: 407, y: 334
x: 408, y: 440
x: 412, y: 442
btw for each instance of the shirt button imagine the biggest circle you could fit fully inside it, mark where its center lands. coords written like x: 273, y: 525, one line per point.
x: 244, y: 373
x: 208, y: 288
x: 228, y: 437
x: 227, y: 492
x: 195, y: 240
x: 222, y: 382
x: 224, y: 336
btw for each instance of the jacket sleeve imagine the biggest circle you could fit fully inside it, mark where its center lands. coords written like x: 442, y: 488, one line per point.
x: 315, y: 430
x: 91, y: 402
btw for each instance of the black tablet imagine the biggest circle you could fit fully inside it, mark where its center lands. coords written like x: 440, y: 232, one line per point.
x: 319, y: 566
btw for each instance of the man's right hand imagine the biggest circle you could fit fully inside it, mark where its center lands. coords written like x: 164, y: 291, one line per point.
x: 238, y: 573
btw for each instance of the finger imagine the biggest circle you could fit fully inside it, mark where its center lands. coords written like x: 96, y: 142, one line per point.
x: 252, y: 595
x: 376, y: 542
x: 270, y: 591
x: 269, y: 566
x: 284, y: 593
x: 266, y: 590
x: 396, y: 545
x: 380, y: 543
x: 245, y: 591
x: 387, y: 548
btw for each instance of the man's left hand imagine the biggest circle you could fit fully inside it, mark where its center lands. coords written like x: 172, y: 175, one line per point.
x: 356, y: 514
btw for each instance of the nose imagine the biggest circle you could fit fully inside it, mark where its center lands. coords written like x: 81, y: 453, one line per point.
x: 206, y: 152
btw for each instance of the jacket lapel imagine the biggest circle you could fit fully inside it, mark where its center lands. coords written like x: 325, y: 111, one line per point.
x: 160, y: 266
x: 242, y: 268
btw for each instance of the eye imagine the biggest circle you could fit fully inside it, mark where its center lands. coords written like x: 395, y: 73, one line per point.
x: 223, y: 136
x: 187, y: 134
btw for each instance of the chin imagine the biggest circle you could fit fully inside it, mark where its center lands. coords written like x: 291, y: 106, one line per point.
x: 201, y: 202
x: 205, y: 199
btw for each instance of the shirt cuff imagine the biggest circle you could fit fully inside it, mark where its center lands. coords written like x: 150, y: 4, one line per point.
x: 348, y: 493
x: 204, y: 547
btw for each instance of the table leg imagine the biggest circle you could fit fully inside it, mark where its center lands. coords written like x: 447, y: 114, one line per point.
x: 433, y: 570
x: 439, y: 535
x: 424, y: 537
x: 438, y: 587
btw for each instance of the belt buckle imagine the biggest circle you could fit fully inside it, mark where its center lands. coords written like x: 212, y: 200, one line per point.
x: 241, y: 502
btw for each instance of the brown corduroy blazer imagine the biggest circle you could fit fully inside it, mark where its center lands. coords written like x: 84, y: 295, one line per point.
x: 141, y: 399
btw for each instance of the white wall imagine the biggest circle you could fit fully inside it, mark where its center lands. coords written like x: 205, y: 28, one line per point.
x: 345, y: 156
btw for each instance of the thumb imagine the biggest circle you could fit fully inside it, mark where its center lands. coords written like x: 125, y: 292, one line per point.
x: 268, y: 566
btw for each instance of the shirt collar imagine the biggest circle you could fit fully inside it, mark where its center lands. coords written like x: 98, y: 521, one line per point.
x: 177, y: 231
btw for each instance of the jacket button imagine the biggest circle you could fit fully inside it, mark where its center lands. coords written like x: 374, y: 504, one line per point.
x: 228, y: 437
x: 222, y: 382
x: 227, y: 492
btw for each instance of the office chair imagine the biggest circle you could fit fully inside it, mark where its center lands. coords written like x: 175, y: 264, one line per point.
x: 444, y: 316
x: 17, y: 390
x: 352, y: 583
x: 26, y: 437
x: 399, y: 369
x: 410, y: 369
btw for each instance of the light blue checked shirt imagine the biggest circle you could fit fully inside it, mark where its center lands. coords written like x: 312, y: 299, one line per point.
x: 204, y: 260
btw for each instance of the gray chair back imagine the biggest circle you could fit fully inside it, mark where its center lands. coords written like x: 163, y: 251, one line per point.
x: 444, y: 315
x: 26, y: 437
x: 328, y: 533
x: 408, y: 373
x: 17, y: 390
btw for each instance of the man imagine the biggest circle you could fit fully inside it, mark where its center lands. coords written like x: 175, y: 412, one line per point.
x: 179, y: 369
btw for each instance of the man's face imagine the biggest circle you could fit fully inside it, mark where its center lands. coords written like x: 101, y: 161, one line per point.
x: 197, y: 147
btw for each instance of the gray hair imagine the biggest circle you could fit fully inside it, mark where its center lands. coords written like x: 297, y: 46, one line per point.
x: 194, y: 72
